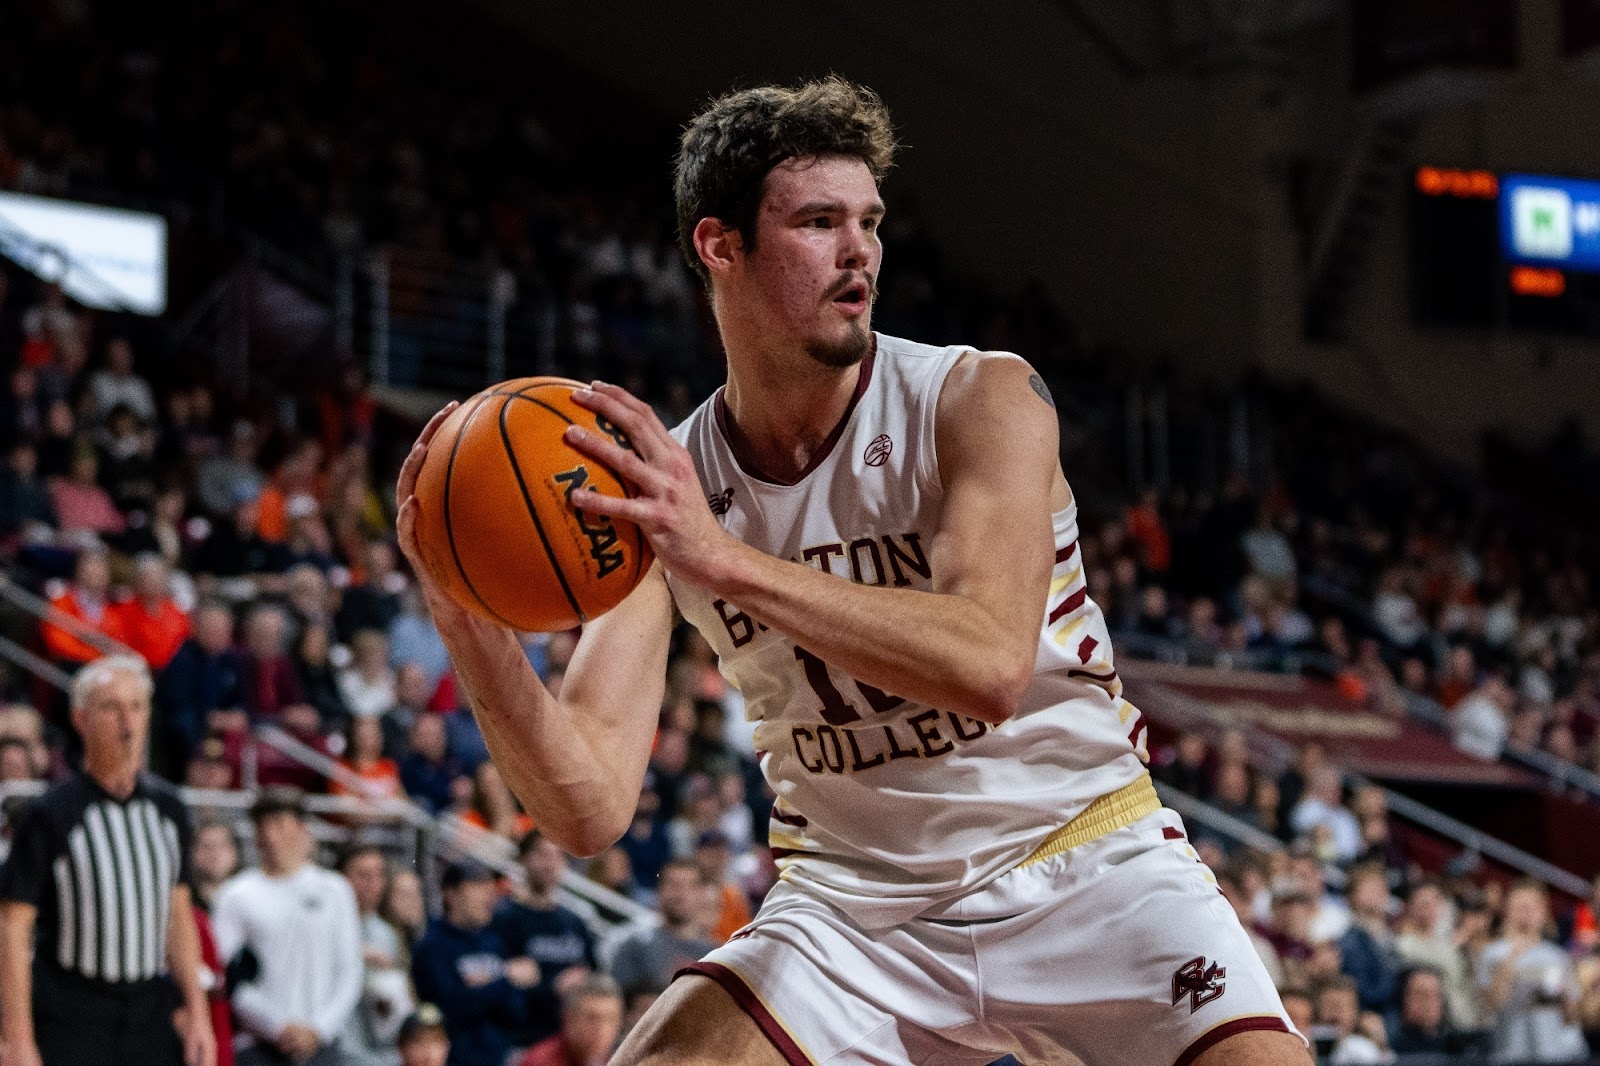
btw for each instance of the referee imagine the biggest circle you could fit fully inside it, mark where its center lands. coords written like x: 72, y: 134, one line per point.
x: 99, y: 956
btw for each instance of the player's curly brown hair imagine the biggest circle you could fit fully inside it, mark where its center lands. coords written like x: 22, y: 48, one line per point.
x: 729, y: 148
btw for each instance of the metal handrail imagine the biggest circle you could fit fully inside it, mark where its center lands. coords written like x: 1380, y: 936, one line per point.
x: 35, y: 664
x: 1266, y: 747
x: 1484, y: 844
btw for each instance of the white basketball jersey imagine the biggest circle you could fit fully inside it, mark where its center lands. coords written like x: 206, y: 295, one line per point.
x: 886, y: 807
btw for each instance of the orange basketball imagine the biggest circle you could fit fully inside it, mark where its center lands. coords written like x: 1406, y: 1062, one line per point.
x: 494, y: 525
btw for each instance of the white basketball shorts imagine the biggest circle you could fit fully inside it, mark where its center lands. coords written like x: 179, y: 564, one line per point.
x: 1121, y: 952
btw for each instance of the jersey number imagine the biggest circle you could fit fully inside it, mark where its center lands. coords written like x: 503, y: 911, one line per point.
x: 836, y: 710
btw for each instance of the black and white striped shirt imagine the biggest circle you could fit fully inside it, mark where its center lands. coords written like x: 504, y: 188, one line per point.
x: 101, y: 872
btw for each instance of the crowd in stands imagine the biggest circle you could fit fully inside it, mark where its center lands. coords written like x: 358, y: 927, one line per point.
x: 244, y: 549
x: 1363, y: 561
x: 1376, y: 956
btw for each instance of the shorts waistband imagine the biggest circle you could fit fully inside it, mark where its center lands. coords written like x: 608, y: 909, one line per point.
x: 1112, y: 811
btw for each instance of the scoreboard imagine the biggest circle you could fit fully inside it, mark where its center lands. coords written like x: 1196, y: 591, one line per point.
x: 1505, y: 251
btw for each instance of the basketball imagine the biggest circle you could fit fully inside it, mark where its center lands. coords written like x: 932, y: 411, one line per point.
x: 494, y: 525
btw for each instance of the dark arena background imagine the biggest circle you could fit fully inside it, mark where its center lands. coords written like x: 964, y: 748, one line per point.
x: 1315, y: 285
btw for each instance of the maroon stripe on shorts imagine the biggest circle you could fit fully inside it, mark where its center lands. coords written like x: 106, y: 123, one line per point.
x: 1258, y: 1024
x: 748, y: 1002
x: 1068, y: 605
x: 1169, y: 833
x: 1063, y: 554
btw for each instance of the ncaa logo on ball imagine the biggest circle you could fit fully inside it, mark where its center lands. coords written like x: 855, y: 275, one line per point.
x: 877, y: 452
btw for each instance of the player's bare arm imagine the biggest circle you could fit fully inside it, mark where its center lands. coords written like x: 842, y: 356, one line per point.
x: 969, y: 645
x: 576, y: 763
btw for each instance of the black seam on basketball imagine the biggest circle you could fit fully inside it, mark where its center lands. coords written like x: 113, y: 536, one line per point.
x: 449, y: 528
x: 621, y: 481
x: 549, y: 553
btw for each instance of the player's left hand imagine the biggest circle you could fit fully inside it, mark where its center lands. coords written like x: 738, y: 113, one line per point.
x: 671, y: 505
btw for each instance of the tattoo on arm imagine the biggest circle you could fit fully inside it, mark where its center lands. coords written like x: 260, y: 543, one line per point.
x: 1039, y: 387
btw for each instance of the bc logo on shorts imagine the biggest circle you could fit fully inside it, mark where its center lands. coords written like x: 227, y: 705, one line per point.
x: 1201, y: 983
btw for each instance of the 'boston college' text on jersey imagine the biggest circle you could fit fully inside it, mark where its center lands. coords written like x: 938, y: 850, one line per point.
x: 886, y: 807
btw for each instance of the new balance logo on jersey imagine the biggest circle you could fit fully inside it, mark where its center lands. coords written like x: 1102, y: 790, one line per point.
x: 720, y: 502
x: 1201, y: 983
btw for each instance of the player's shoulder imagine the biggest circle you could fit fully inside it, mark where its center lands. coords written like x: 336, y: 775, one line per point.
x: 976, y: 376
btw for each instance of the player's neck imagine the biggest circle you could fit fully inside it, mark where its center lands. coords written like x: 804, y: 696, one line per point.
x: 783, y: 409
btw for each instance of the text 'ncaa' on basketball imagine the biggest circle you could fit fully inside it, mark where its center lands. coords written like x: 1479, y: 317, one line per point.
x: 961, y: 849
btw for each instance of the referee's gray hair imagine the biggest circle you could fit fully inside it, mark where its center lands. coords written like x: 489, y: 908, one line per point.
x: 102, y: 670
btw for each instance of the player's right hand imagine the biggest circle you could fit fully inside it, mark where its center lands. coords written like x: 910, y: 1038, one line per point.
x: 446, y: 612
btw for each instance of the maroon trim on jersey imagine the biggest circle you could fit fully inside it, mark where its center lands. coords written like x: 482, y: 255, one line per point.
x: 1064, y: 554
x: 1068, y: 605
x: 1212, y: 1038
x: 748, y: 1002
x: 1169, y: 833
x: 725, y: 423
x: 784, y: 853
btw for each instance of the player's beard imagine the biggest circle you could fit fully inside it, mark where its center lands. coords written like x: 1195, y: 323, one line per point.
x: 845, y: 352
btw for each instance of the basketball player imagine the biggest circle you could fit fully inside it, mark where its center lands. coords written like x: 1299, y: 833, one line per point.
x: 876, y: 537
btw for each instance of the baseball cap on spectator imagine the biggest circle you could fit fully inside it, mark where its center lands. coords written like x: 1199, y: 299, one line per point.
x: 465, y: 871
x: 425, y: 1017
x: 279, y: 799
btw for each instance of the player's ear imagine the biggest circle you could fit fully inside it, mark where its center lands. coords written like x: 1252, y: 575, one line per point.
x: 717, y: 244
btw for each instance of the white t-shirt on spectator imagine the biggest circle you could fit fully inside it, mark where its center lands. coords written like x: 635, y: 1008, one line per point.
x: 109, y: 390
x: 305, y: 933
x: 1480, y: 728
x: 367, y: 699
x: 1342, y: 825
x: 1531, y: 1025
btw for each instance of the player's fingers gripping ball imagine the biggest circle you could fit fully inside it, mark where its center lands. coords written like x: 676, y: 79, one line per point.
x: 495, y: 525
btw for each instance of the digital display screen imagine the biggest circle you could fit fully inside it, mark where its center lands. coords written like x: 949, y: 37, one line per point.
x: 103, y: 257
x: 1505, y: 251
x: 1550, y: 221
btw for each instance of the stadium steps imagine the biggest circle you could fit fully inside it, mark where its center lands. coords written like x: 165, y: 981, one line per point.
x: 1373, y: 170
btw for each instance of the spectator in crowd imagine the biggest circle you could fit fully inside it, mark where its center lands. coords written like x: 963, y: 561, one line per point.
x: 367, y: 685
x: 1482, y: 720
x: 427, y: 769
x: 237, y: 559
x: 363, y: 756
x: 292, y: 484
x: 700, y: 813
x: 1184, y: 768
x: 1323, y: 808
x: 1529, y: 986
x: 26, y: 511
x: 413, y: 639
x: 1330, y: 916
x: 647, y: 843
x: 86, y: 601
x: 151, y: 622
x: 24, y: 724
x: 731, y: 907
x: 125, y: 454
x: 1367, y: 947
x: 117, y: 385
x: 463, y: 966
x: 424, y: 1039
x: 533, y: 924
x: 1356, y: 1039
x: 1427, y: 940
x: 291, y: 935
x: 267, y: 675
x: 216, y: 860
x: 1289, y: 934
x: 85, y: 512
x: 591, y: 1022
x: 204, y: 676
x: 373, y: 602
x: 1301, y: 1009
x: 319, y: 682
x: 1421, y: 1026
x: 371, y: 1037
x: 652, y: 956
x: 227, y: 479
x: 14, y: 764
x: 404, y: 909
